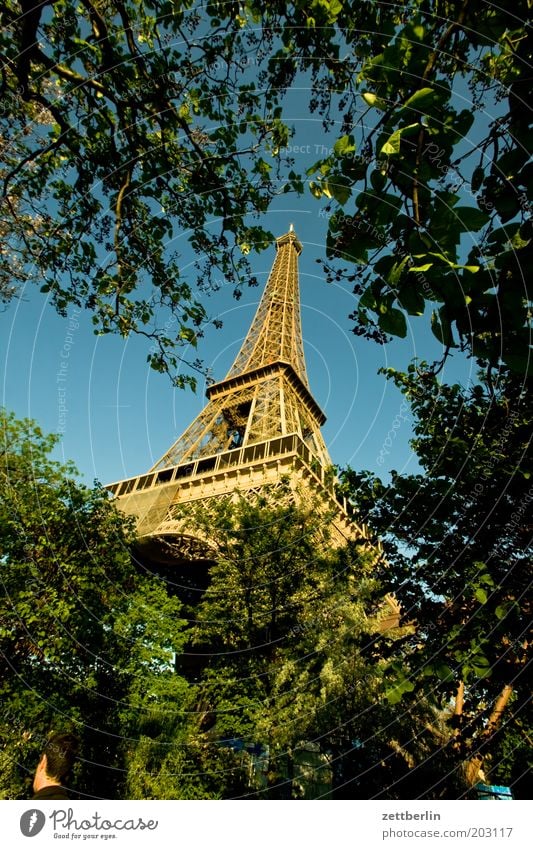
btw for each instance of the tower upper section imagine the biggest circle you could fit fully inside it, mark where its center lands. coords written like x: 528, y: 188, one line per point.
x: 276, y: 332
x: 260, y: 426
x: 265, y: 394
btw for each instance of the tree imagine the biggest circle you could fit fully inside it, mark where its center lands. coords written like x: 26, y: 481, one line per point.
x: 431, y: 204
x: 458, y: 540
x: 286, y: 684
x: 125, y: 121
x: 290, y: 665
x: 82, y: 632
x: 129, y: 120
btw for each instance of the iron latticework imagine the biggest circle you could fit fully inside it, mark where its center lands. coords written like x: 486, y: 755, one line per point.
x: 265, y: 393
x: 276, y: 332
x: 261, y: 424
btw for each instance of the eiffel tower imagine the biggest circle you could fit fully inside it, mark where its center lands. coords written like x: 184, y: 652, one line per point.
x: 260, y: 426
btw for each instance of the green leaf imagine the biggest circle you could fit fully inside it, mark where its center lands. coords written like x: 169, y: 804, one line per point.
x: 393, y: 322
x: 502, y: 235
x: 473, y: 269
x: 487, y: 579
x: 188, y: 334
x: 425, y: 267
x: 394, y: 695
x: 444, y: 672
x: 373, y: 100
x: 337, y: 187
x: 421, y: 99
x: 518, y: 242
x: 368, y: 299
x: 388, y: 206
x: 344, y: 145
x: 392, y: 146
x: 393, y: 143
x: 520, y: 363
x: 481, y: 595
x: 378, y: 180
x: 411, y: 299
x: 507, y: 204
x: 318, y: 166
x: 471, y: 217
x: 502, y: 610
x: 441, y: 327
x: 481, y: 666
x: 395, y: 274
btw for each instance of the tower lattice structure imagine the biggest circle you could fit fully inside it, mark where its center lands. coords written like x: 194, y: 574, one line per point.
x: 260, y: 428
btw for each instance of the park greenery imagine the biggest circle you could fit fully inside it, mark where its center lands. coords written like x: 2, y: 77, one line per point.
x: 457, y: 538
x: 77, y: 622
x: 128, y: 124
x: 280, y: 681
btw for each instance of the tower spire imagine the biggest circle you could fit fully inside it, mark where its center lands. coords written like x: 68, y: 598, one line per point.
x: 276, y: 332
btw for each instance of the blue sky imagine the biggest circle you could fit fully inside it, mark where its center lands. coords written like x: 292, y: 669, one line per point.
x: 121, y: 416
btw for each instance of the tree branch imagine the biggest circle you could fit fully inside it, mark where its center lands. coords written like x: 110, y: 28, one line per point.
x: 499, y: 707
x: 443, y: 39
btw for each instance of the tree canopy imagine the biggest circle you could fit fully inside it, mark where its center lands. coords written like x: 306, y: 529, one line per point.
x: 123, y: 125
x: 82, y: 630
x: 128, y: 125
x: 431, y: 183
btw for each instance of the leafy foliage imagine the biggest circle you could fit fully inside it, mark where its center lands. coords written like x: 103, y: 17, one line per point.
x: 82, y: 633
x: 290, y: 661
x: 131, y: 123
x: 286, y: 684
x: 458, y: 541
x: 124, y: 122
